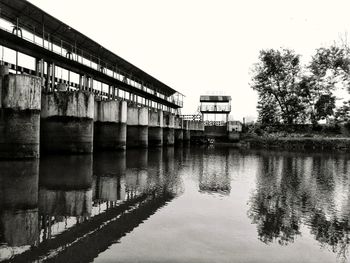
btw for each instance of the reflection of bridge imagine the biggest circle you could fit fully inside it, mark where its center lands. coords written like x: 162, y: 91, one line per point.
x: 76, y: 94
x: 81, y: 202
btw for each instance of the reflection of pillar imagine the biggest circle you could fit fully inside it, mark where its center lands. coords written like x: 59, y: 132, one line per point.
x: 65, y: 185
x: 19, y: 202
x: 109, y: 172
x: 136, y: 171
x: 155, y: 165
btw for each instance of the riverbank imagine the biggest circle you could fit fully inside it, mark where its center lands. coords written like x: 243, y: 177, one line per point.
x: 297, y: 143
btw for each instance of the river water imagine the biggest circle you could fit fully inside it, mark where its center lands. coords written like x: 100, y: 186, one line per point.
x: 190, y: 204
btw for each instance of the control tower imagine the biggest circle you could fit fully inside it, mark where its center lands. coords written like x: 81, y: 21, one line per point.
x: 215, y: 106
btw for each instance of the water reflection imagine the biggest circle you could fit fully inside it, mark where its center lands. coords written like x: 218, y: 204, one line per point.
x: 18, y: 206
x: 297, y: 189
x: 65, y: 194
x: 71, y: 209
x: 79, y: 205
x: 215, y: 177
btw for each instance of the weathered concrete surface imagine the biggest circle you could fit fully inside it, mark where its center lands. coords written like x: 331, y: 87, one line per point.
x: 196, y: 131
x: 20, y: 103
x: 186, y: 131
x: 19, y: 202
x: 137, y: 129
x: 155, y: 128
x: 67, y: 122
x: 67, y: 189
x: 110, y: 125
x: 178, y: 135
x: 168, y: 130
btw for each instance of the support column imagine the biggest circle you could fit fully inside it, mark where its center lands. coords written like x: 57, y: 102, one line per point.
x: 20, y: 103
x: 168, y: 130
x: 110, y: 125
x: 178, y: 131
x: 67, y: 122
x: 155, y: 129
x: 186, y: 131
x: 137, y: 127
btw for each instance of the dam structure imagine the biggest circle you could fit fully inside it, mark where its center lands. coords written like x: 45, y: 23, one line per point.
x: 62, y: 92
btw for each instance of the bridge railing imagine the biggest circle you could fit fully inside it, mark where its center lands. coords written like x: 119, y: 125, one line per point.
x: 76, y: 54
x: 214, y: 123
x: 215, y: 108
x: 190, y: 117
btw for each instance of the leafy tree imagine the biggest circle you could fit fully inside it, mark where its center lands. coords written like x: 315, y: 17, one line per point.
x: 268, y: 111
x: 276, y: 77
x: 342, y: 114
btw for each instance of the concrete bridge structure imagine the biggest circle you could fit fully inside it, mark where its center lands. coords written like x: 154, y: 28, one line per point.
x: 73, y: 95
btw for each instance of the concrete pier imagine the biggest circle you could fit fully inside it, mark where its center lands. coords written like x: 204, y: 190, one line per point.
x: 67, y: 122
x: 110, y: 125
x: 168, y: 130
x: 186, y: 131
x: 137, y: 127
x: 196, y: 131
x: 155, y: 128
x: 20, y: 103
x: 178, y: 134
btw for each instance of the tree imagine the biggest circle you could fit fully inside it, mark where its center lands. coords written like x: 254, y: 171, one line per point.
x: 276, y: 77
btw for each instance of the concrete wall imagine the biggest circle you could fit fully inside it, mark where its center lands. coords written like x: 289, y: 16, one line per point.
x: 137, y: 126
x: 155, y: 128
x: 168, y: 130
x: 67, y: 122
x: 178, y: 134
x: 20, y: 104
x: 110, y: 119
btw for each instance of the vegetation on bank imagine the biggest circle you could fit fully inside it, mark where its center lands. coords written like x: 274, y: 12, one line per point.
x: 291, y: 93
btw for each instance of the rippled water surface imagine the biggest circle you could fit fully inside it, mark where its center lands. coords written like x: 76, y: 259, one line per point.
x: 186, y: 204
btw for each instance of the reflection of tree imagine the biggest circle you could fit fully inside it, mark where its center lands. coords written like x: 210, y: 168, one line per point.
x: 292, y: 190
x: 273, y: 207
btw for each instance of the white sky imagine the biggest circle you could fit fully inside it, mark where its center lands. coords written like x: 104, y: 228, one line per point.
x: 196, y: 46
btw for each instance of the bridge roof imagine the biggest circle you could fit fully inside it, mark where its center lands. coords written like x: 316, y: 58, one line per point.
x: 31, y: 17
x: 214, y: 98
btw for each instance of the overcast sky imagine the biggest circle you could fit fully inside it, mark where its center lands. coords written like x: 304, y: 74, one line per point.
x: 201, y: 46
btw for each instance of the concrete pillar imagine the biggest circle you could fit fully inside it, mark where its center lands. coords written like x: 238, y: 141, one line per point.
x: 178, y: 135
x: 67, y: 122
x: 186, y: 131
x: 110, y: 125
x: 20, y: 103
x: 65, y: 190
x: 19, y: 216
x: 168, y: 130
x: 137, y: 127
x: 109, y: 172
x: 155, y: 127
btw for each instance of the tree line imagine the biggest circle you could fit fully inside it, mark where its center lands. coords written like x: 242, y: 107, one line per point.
x: 290, y: 92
